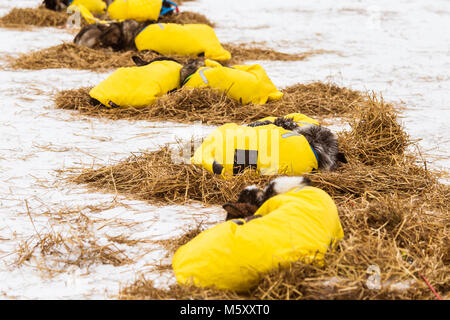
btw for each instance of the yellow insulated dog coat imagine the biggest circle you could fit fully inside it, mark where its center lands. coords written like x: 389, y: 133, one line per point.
x: 138, y: 86
x: 301, y: 224
x: 94, y: 6
x: 185, y: 40
x: 246, y: 84
x: 230, y: 149
x: 139, y: 10
x: 87, y: 15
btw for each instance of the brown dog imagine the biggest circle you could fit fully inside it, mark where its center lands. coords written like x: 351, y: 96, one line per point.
x: 116, y: 35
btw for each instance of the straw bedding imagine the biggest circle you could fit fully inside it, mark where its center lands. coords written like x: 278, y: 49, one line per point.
x: 71, y: 56
x: 208, y: 106
x: 393, y: 210
x: 43, y: 17
x: 39, y: 17
x: 185, y: 17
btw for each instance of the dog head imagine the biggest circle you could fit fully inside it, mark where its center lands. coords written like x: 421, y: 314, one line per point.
x: 325, y: 144
x: 190, y: 68
x: 129, y: 30
x: 57, y: 5
x: 252, y: 197
x: 90, y: 35
x: 117, y: 35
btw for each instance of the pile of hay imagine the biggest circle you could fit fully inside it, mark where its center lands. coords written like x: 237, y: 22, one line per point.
x: 393, y: 210
x: 71, y: 56
x: 43, y: 17
x: 242, y: 52
x: 185, y: 17
x: 211, y: 107
x: 153, y: 176
x: 39, y: 17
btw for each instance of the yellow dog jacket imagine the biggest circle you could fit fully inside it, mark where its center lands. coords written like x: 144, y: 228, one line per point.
x: 301, y: 224
x: 230, y: 149
x: 185, y: 40
x: 246, y: 84
x: 93, y: 6
x: 139, y: 10
x: 138, y: 86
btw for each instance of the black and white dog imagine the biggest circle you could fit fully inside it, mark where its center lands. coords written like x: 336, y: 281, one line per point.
x: 252, y: 197
x: 321, y: 139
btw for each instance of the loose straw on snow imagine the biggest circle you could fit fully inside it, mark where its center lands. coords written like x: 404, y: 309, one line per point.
x: 39, y: 17
x: 211, y: 107
x: 43, y: 17
x: 71, y: 56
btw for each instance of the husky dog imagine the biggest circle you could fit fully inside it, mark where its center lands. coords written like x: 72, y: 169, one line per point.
x: 116, y: 35
x: 252, y: 197
x: 321, y: 139
x: 56, y: 5
x: 188, y: 69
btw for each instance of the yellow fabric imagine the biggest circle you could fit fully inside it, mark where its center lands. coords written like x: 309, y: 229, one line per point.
x: 298, y: 225
x: 87, y: 15
x: 246, y: 84
x: 278, y: 150
x: 138, y: 86
x: 185, y: 40
x: 94, y: 6
x: 139, y: 10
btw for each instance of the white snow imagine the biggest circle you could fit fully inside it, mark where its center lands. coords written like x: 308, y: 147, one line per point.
x: 400, y: 49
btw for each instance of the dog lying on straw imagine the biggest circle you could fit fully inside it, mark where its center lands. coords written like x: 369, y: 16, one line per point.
x: 291, y: 145
x: 321, y: 139
x: 296, y: 222
x: 116, y: 35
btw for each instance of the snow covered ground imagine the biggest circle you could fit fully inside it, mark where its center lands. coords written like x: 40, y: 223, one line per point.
x: 400, y: 49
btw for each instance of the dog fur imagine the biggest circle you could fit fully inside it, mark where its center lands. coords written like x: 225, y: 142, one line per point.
x: 252, y: 197
x: 188, y: 69
x: 321, y: 139
x: 56, y: 5
x: 117, y: 36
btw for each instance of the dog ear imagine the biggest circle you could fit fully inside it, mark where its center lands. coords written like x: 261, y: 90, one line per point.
x: 233, y: 212
x: 139, y: 62
x: 239, y: 210
x: 341, y: 157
